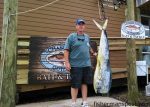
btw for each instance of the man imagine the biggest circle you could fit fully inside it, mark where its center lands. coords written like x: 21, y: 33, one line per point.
x: 77, y: 61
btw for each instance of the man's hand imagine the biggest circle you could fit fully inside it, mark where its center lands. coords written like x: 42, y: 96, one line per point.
x: 92, y: 52
x: 67, y: 65
x: 95, y: 54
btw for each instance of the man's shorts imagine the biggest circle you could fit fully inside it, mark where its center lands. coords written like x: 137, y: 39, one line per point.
x: 81, y: 75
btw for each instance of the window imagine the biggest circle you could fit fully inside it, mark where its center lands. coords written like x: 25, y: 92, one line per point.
x: 145, y: 20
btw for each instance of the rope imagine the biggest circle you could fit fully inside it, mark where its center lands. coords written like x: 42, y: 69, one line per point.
x: 99, y: 9
x: 36, y: 8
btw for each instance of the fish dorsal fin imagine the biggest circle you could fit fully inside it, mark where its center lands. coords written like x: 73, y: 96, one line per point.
x: 101, y: 27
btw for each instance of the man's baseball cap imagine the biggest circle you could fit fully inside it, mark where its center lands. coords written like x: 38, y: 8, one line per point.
x: 79, y: 21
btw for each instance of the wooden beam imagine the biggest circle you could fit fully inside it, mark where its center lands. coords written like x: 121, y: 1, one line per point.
x: 23, y: 43
x: 32, y: 87
x: 8, y: 55
x: 133, y: 93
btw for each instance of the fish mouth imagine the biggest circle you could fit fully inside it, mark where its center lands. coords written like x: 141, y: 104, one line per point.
x: 98, y: 87
x: 98, y: 90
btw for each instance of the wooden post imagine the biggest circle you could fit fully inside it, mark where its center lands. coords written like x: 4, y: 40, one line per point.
x: 8, y: 55
x: 133, y: 94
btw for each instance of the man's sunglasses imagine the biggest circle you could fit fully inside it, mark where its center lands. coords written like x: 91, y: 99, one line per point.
x: 80, y: 39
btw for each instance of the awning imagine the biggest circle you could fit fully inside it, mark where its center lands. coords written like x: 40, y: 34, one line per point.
x: 141, y: 2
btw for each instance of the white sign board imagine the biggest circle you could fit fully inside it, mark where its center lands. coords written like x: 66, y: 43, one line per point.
x: 132, y: 29
x: 141, y: 68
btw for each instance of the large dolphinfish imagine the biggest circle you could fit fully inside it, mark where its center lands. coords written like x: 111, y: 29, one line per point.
x: 102, y: 75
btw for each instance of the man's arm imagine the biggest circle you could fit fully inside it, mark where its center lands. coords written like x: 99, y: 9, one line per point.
x: 66, y: 56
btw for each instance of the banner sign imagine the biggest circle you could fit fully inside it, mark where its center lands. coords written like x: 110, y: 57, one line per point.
x: 132, y: 29
x: 46, y: 60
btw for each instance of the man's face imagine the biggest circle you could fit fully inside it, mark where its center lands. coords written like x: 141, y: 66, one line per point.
x: 80, y: 27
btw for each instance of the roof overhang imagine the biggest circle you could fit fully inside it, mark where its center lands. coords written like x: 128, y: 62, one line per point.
x: 141, y: 2
x: 145, y: 8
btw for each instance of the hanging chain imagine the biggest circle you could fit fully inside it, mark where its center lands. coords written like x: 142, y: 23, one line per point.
x: 118, y: 3
x: 101, y: 10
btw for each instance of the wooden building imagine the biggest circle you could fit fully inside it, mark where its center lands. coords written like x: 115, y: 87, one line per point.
x: 58, y: 21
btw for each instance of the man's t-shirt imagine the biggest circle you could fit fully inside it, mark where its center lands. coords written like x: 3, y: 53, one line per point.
x: 79, y: 50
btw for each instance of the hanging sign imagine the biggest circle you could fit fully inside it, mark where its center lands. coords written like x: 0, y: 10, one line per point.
x: 132, y: 29
x: 46, y: 60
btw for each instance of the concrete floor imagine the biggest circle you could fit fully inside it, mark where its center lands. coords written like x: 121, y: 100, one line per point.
x: 93, y: 102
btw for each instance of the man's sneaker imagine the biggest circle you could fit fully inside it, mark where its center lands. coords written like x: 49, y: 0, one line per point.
x: 73, y: 104
x: 85, y: 104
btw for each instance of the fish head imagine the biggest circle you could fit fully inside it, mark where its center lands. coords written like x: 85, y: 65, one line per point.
x: 98, y: 86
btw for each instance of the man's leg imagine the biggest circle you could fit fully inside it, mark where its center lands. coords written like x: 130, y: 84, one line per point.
x: 87, y: 79
x: 84, y: 91
x: 74, y: 93
x: 76, y: 80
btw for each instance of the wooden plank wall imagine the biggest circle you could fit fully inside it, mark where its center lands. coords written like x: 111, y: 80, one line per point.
x: 23, y: 60
x: 117, y: 57
x: 58, y: 20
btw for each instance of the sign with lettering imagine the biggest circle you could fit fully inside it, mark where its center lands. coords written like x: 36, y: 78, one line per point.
x: 132, y: 29
x: 46, y: 60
